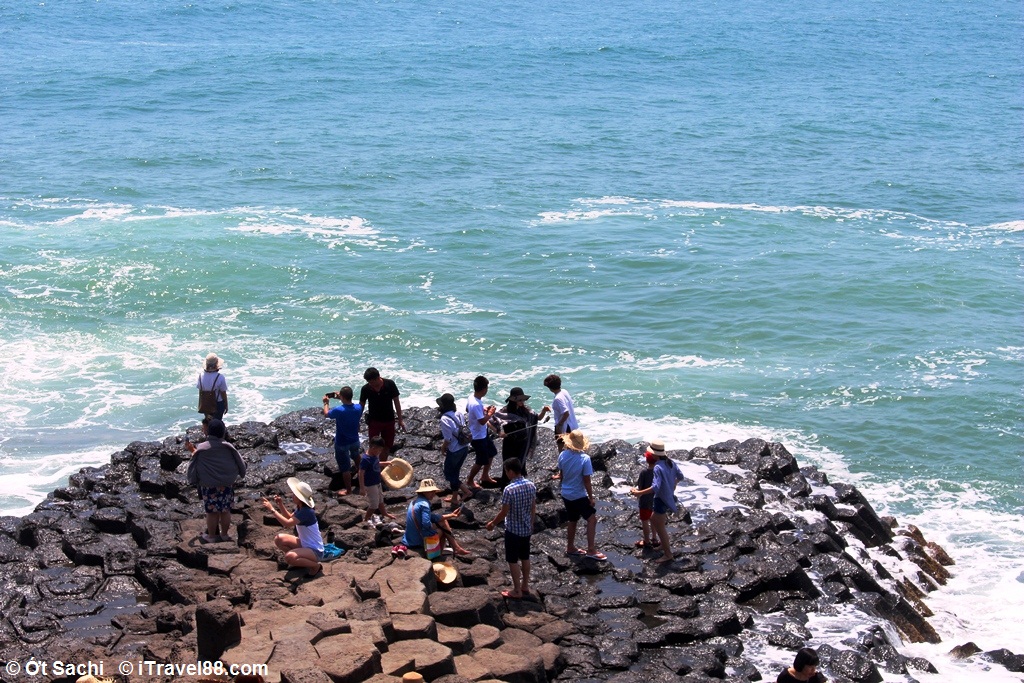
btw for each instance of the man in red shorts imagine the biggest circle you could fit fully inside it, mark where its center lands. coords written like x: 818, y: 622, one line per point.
x: 385, y: 408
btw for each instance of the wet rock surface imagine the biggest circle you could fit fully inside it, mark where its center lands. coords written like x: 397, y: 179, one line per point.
x: 110, y: 568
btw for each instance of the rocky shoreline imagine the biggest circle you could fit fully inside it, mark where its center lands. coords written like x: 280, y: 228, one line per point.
x: 109, y: 569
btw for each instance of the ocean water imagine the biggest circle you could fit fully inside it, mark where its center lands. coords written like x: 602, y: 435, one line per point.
x: 802, y: 222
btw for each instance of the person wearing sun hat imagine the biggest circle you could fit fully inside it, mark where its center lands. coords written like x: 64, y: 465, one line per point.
x: 519, y: 427
x: 578, y: 493
x: 307, y: 549
x: 421, y: 522
x: 210, y: 380
x: 663, y: 485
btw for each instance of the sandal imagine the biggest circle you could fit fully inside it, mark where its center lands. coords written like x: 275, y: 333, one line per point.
x: 207, y: 538
x: 599, y: 556
x: 508, y: 595
x: 319, y: 570
x: 575, y: 552
x: 640, y: 544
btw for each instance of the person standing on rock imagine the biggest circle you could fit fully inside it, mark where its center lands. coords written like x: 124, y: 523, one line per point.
x: 804, y: 669
x: 385, y: 408
x: 577, y: 492
x: 645, y: 503
x: 562, y: 407
x: 213, y: 388
x: 215, y: 467
x: 421, y: 522
x: 369, y: 479
x: 307, y: 548
x: 519, y: 427
x: 666, y: 476
x: 484, y: 448
x: 346, y: 433
x: 454, y: 447
x: 518, y: 510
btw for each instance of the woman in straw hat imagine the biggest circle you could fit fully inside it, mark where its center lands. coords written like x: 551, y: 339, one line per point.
x: 578, y: 493
x: 421, y: 522
x: 307, y: 549
x: 666, y: 475
x: 213, y: 388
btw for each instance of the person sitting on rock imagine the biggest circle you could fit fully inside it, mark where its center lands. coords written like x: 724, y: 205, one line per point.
x: 666, y: 476
x: 307, y: 549
x: 369, y: 478
x: 215, y: 467
x: 421, y: 522
x: 577, y: 492
x: 804, y: 669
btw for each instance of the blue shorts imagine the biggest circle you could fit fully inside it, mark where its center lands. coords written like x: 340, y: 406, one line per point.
x: 453, y: 461
x: 660, y: 508
x: 217, y: 498
x: 345, y: 455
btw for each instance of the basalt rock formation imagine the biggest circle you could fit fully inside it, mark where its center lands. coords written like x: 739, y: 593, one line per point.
x: 110, y: 568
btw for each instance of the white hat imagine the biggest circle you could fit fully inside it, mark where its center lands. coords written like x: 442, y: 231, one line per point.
x: 213, y: 363
x: 302, y: 490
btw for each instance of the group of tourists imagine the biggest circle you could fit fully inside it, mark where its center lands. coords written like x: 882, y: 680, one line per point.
x: 216, y: 465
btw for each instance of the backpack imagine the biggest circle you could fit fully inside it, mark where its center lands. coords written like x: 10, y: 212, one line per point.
x: 462, y: 433
x: 208, y: 399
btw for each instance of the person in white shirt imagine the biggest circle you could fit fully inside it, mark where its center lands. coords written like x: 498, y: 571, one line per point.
x: 561, y: 406
x: 484, y: 448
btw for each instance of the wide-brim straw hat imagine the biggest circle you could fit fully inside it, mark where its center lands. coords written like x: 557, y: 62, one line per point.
x: 302, y: 490
x: 445, y: 572
x: 213, y: 363
x: 427, y: 485
x: 575, y: 440
x: 398, y: 474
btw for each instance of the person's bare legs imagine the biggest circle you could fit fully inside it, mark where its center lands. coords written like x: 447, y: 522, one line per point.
x: 473, y: 471
x: 570, y: 546
x: 224, y: 524
x: 212, y: 520
x: 517, y: 580
x: 592, y: 534
x: 661, y: 527
x: 524, y: 586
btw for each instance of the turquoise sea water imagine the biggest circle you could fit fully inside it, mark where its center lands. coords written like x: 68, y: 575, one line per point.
x: 802, y: 222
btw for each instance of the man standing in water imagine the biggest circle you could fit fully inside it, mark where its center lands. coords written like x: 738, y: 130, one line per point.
x: 385, y: 408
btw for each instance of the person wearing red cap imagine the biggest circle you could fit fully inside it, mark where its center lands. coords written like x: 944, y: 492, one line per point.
x: 666, y: 476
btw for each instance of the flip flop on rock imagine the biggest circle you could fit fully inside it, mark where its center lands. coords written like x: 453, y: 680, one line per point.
x: 509, y: 595
x: 599, y: 556
x: 575, y: 553
x: 318, y: 572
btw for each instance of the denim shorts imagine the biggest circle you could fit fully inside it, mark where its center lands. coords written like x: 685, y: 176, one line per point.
x: 346, y: 454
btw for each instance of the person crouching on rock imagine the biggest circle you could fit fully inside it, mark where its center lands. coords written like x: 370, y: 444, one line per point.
x: 804, y: 669
x: 214, y: 468
x: 307, y: 549
x: 666, y: 476
x: 421, y: 523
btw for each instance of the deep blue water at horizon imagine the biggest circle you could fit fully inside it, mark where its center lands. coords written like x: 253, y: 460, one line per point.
x: 799, y: 221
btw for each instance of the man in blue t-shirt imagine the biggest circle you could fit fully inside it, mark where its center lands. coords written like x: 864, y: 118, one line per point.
x: 346, y: 436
